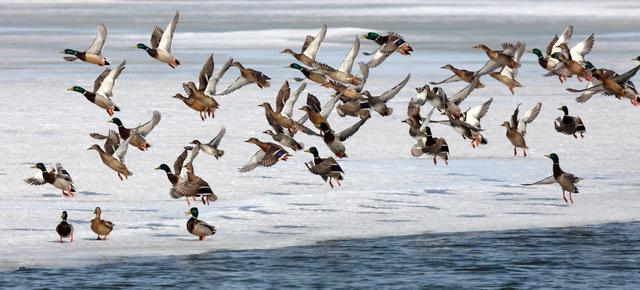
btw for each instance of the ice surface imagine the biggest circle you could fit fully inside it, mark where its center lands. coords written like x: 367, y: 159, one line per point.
x: 385, y: 192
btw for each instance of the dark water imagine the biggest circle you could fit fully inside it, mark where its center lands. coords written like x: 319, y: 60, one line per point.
x: 602, y: 256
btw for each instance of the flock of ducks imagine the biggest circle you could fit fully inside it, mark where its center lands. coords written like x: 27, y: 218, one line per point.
x: 348, y: 99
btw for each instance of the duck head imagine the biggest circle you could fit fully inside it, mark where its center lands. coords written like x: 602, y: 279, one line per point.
x: 269, y: 132
x: 116, y: 121
x: 287, y: 50
x: 370, y: 36
x: 447, y: 66
x: 537, y: 52
x: 312, y: 150
x: 78, y: 89
x: 553, y: 157
x: 196, y: 142
x: 164, y: 167
x: 589, y: 66
x: 564, y: 109
x: 97, y: 211
x: 69, y: 51
x: 481, y: 47
x: 94, y: 147
x: 265, y: 105
x: 295, y: 66
x: 140, y: 46
x: 40, y: 166
x: 252, y: 140
x: 192, y: 212
x: 64, y: 215
x: 506, y: 124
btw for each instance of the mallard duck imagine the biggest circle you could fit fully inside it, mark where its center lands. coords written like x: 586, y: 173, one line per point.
x: 314, y: 113
x: 566, y: 180
x: 285, y: 140
x: 197, y: 97
x: 472, y: 116
x: 58, y: 177
x: 141, y: 131
x: 389, y: 44
x: 193, y: 187
x: 436, y: 147
x: 197, y: 227
x: 247, y: 76
x: 379, y: 103
x: 64, y: 229
x: 335, y: 74
x: 507, y: 76
x: 328, y: 168
x: 334, y: 141
x: 210, y: 148
x: 350, y: 93
x: 111, y: 143
x: 174, y: 177
x: 354, y: 109
x: 548, y: 62
x: 622, y: 86
x: 467, y: 130
x: 458, y: 75
x: 212, y: 83
x: 115, y: 161
x: 518, y: 128
x: 426, y: 94
x: 452, y: 104
x: 569, y: 125
x: 310, y: 47
x: 314, y: 76
x: 414, y: 128
x: 161, y: 43
x: 268, y: 155
x: 571, y: 61
x: 99, y: 226
x: 103, y: 89
x: 499, y: 58
x: 276, y: 118
x: 93, y: 54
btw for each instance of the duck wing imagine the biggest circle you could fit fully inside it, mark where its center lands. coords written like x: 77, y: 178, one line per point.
x: 215, y: 77
x: 581, y: 49
x: 167, y: 35
x: 388, y: 95
x: 104, y: 85
x: 179, y: 163
x: 122, y: 150
x: 155, y: 36
x: 313, y: 47
x: 307, y: 41
x: 287, y: 110
x: 348, y: 132
x: 347, y: 62
x: 36, y: 179
x: 282, y: 97
x: 238, y: 83
x: 63, y: 173
x: 325, y: 167
x: 475, y: 114
x: 205, y: 73
x: 216, y: 140
x: 548, y: 180
x: 528, y: 117
x: 253, y: 162
x: 625, y: 77
x: 98, y: 42
x: 464, y: 93
x: 146, y: 128
x: 565, y: 37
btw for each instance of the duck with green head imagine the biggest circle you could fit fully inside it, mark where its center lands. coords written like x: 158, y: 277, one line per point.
x: 197, y: 227
x: 566, y: 180
x: 309, y: 74
x: 64, y: 229
x: 328, y: 168
x: 99, y: 100
x: 161, y: 43
x: 547, y: 62
x: 58, y: 177
x: 569, y: 125
x: 389, y: 44
x: 93, y: 54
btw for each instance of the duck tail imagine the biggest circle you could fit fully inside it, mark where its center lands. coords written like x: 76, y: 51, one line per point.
x: 174, y: 194
x: 581, y: 127
x: 484, y: 140
x: 444, y: 148
x: 576, y: 191
x: 116, y: 108
x: 389, y: 112
x: 73, y: 188
x: 416, y: 151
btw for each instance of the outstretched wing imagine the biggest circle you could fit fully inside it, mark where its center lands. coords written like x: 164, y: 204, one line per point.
x: 347, y: 62
x: 213, y: 81
x: 179, y: 163
x: 464, y: 93
x: 98, y: 42
x: 205, y: 73
x: 475, y: 114
x: 565, y: 37
x: 287, y: 110
x: 122, y: 150
x: 98, y: 82
x: 283, y: 96
x: 581, y: 49
x: 625, y: 77
x: 167, y: 35
x: 238, y: 83
x: 314, y: 46
x: 328, y: 107
x: 388, y: 95
x: 146, y: 128
x: 105, y: 88
x: 36, y: 179
x: 253, y: 162
x: 528, y: 117
x: 548, y: 180
x: 62, y: 173
x: 216, y: 140
x: 346, y: 133
x: 155, y: 36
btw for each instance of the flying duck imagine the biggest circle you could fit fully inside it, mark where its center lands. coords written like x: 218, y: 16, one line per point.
x: 102, y: 89
x: 174, y: 177
x: 161, y: 43
x: 517, y: 128
x: 548, y: 61
x: 115, y: 160
x: 507, y: 75
x: 458, y: 75
x: 499, y: 58
x: 328, y: 168
x: 608, y: 82
x: 142, y: 131
x: 571, y: 61
x: 197, y: 97
x: 310, y: 47
x: 334, y: 141
x: 58, y: 177
x: 569, y: 125
x: 193, y: 187
x: 247, y: 76
x: 389, y: 44
x: 93, y: 54
x: 436, y: 147
x: 379, y: 103
x: 268, y: 155
x: 285, y: 140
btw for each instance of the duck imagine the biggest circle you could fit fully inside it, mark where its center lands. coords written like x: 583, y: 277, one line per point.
x: 314, y: 76
x: 64, y: 229
x: 197, y: 97
x: 566, y: 180
x: 111, y: 143
x: 568, y: 67
x: 142, y: 131
x: 268, y: 155
x: 103, y: 89
x: 276, y: 118
x: 335, y: 74
x: 473, y: 115
x: 247, y: 76
x: 547, y: 61
x: 115, y: 161
x: 161, y: 43
x: 569, y: 125
x: 507, y: 75
x: 58, y: 177
x: 210, y: 148
x: 379, y: 103
x: 467, y: 130
x: 99, y: 226
x: 517, y: 128
x: 334, y: 141
x: 354, y: 109
x: 93, y: 54
x: 571, y: 61
x: 328, y: 168
x: 452, y: 104
x: 389, y: 44
x: 414, y: 129
x: 596, y: 86
x: 350, y: 92
x: 314, y: 113
x: 436, y: 147
x: 193, y: 187
x: 458, y: 75
x: 197, y: 227
x: 426, y: 94
x: 310, y: 47
x: 285, y: 140
x: 499, y: 58
x: 174, y: 177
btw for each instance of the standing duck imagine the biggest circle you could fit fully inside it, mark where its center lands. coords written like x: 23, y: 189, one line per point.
x: 99, y: 226
x: 115, y: 160
x: 310, y: 47
x: 458, y: 75
x: 268, y: 155
x: 64, y: 229
x: 193, y: 187
x: 518, y: 128
x: 161, y: 43
x: 58, y: 177
x: 334, y: 141
x: 328, y: 168
x: 389, y: 44
x: 566, y: 180
x: 197, y: 227
x: 142, y: 131
x: 569, y: 125
x: 285, y: 140
x: 379, y: 103
x: 197, y: 98
x: 93, y: 54
x: 247, y: 76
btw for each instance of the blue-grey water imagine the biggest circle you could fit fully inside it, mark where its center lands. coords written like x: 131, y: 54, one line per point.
x: 603, y: 256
